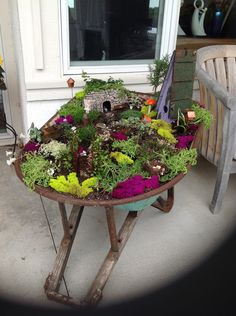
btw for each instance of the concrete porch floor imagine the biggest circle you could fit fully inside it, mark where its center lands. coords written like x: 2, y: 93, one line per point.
x: 162, y: 246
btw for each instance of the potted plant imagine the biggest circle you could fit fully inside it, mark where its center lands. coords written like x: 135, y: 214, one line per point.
x: 109, y: 152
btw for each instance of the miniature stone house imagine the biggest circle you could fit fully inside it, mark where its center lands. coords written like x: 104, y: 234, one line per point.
x: 103, y: 101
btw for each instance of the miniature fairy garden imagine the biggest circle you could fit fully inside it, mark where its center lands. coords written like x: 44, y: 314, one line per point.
x: 110, y: 143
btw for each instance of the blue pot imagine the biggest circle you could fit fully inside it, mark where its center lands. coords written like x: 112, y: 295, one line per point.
x: 137, y: 206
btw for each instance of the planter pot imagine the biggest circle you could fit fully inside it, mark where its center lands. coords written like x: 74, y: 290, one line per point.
x: 137, y: 206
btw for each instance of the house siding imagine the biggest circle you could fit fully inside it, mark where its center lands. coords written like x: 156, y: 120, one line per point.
x: 44, y: 81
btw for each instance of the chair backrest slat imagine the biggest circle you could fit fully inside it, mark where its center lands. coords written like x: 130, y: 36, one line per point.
x: 231, y: 74
x: 221, y: 72
x: 210, y: 68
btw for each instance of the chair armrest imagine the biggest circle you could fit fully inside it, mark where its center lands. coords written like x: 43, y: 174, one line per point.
x: 218, y: 90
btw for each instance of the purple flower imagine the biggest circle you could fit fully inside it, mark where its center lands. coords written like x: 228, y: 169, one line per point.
x: 134, y: 186
x: 31, y: 146
x: 152, y: 183
x: 184, y: 141
x: 62, y: 119
x: 193, y: 127
x: 119, y: 136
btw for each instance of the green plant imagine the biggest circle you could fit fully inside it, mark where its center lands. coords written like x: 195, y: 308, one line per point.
x: 202, y: 115
x: 53, y: 148
x: 177, y: 163
x: 71, y: 185
x: 158, y: 71
x: 36, y: 170
x: 86, y: 133
x: 80, y: 95
x: 93, y: 85
x: 131, y: 113
x: 93, y: 115
x: 128, y: 147
x: 60, y: 152
x: 163, y: 129
x: 121, y: 158
x: 108, y: 172
x: 73, y: 108
x: 34, y: 133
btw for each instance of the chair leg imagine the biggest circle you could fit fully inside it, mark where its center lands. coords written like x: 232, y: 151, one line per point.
x: 219, y: 192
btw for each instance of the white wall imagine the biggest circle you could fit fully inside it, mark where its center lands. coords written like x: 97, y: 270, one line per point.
x: 45, y: 84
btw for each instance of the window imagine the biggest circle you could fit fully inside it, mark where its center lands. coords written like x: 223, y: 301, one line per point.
x: 209, y: 18
x: 113, y: 36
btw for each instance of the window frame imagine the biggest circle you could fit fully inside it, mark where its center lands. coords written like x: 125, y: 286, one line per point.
x: 166, y: 39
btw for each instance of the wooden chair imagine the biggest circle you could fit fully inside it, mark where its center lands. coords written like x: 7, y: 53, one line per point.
x: 216, y: 74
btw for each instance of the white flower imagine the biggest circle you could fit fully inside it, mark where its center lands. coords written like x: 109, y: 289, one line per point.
x: 73, y: 128
x: 50, y: 171
x: 10, y: 161
x: 8, y: 153
x: 22, y: 136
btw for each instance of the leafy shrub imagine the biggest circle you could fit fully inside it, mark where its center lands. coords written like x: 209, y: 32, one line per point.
x: 158, y: 71
x: 86, y: 133
x: 93, y: 115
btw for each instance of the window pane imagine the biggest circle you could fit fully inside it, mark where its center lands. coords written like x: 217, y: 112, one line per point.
x: 210, y: 19
x: 110, y: 30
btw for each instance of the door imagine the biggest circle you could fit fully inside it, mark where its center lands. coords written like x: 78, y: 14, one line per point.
x: 9, y: 99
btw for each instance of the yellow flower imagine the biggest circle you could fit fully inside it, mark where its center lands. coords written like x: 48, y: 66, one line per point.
x: 1, y: 61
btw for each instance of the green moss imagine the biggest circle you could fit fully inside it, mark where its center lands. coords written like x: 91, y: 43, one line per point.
x: 71, y: 185
x: 163, y: 129
x: 131, y: 113
x: 73, y: 108
x: 35, y: 170
x: 80, y: 95
x: 122, y: 159
x: 93, y: 115
x: 86, y: 133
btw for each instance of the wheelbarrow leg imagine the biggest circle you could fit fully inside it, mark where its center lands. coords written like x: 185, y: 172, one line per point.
x: 165, y: 205
x: 117, y: 244
x: 53, y: 281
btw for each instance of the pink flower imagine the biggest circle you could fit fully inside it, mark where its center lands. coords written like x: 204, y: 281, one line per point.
x: 31, y: 146
x: 119, y: 136
x: 62, y: 119
x: 184, y: 141
x: 134, y: 186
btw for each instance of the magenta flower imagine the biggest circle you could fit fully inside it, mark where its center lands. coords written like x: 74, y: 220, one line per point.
x: 31, y: 146
x: 119, y: 136
x: 193, y: 127
x: 184, y: 141
x: 134, y: 186
x: 62, y: 119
